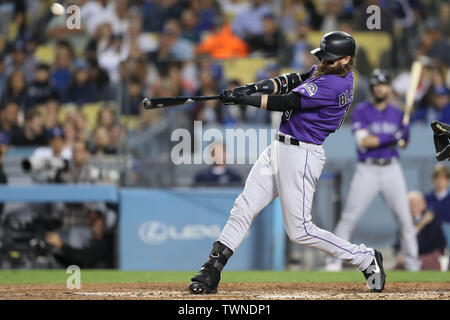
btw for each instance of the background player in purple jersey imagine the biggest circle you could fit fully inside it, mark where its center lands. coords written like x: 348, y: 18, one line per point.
x: 377, y: 127
x: 313, y: 105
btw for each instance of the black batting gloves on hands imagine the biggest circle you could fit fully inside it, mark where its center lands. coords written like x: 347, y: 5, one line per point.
x: 232, y: 97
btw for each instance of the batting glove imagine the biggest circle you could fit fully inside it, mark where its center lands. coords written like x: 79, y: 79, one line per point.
x: 232, y: 97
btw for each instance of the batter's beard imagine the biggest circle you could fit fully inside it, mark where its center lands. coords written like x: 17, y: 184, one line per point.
x: 380, y: 99
x: 340, y: 69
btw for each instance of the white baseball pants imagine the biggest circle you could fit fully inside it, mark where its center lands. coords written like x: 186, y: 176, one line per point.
x: 291, y: 173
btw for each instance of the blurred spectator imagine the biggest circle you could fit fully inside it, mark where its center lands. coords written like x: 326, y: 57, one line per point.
x: 303, y: 11
x: 111, y: 51
x: 80, y: 170
x: 107, y: 118
x: 172, y: 45
x: 438, y: 200
x: 81, y: 90
x: 94, y: 250
x: 70, y: 133
x: 434, y: 44
x: 133, y: 98
x: 93, y: 14
x: 190, y: 31
x: 9, y: 118
x: 297, y: 55
x: 441, y: 104
x: 16, y: 89
x: 222, y: 43
x: 21, y: 59
x: 206, y: 12
x: 139, y: 42
x: 430, y: 237
x: 62, y: 68
x: 33, y: 131
x: 332, y: 12
x: 41, y: 90
x: 52, y: 109
x: 101, y: 143
x: 100, y: 78
x: 4, y: 141
x: 56, y: 146
x: 217, y: 174
x: 270, y: 42
x: 249, y: 22
x: 157, y: 12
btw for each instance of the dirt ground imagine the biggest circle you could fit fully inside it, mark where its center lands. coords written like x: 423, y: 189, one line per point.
x: 230, y: 291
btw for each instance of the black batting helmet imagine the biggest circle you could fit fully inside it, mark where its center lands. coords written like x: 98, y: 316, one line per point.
x: 335, y: 45
x: 380, y: 76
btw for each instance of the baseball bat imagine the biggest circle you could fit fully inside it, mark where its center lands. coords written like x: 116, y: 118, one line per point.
x: 156, y: 103
x: 416, y: 72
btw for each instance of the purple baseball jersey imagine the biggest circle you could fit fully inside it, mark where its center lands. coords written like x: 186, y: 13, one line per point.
x: 384, y: 124
x: 325, y: 100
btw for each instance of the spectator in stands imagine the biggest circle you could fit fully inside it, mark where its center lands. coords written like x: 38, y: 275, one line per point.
x: 101, y: 144
x: 157, y: 12
x: 270, y: 42
x: 297, y: 55
x: 70, y: 133
x: 249, y: 22
x: 111, y: 51
x: 61, y: 75
x: 430, y: 237
x: 16, y: 89
x: 33, y: 132
x: 132, y: 99
x: 222, y: 43
x: 95, y: 251
x: 330, y: 19
x: 80, y: 170
x: 100, y: 78
x: 21, y: 60
x: 172, y: 45
x: 438, y: 200
x: 9, y: 118
x: 218, y: 174
x: 190, y: 31
x: 41, y: 90
x: 52, y: 109
x: 441, y: 104
x: 434, y: 44
x: 81, y: 89
x: 107, y: 118
x: 4, y: 141
x: 206, y: 12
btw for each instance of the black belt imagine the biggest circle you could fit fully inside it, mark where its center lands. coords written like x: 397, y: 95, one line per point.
x: 378, y: 162
x: 293, y: 141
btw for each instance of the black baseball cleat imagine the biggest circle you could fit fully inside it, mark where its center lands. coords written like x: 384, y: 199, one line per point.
x: 374, y: 274
x: 208, y: 278
x: 203, y: 282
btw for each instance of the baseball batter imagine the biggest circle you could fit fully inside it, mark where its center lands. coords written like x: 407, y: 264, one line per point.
x: 377, y: 127
x: 314, y: 105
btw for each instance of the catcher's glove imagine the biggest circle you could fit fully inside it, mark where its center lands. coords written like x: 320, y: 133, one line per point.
x: 441, y: 140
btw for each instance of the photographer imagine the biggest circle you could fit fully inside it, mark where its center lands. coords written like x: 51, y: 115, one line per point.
x: 80, y: 170
x: 46, y: 162
x: 87, y: 250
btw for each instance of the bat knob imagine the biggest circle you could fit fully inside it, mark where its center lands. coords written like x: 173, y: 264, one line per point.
x: 146, y: 103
